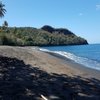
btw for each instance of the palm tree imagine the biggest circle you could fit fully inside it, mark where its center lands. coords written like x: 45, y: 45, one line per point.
x: 5, y: 24
x: 2, y: 9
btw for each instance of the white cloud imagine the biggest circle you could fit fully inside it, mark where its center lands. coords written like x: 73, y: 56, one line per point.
x: 80, y: 14
x: 98, y: 7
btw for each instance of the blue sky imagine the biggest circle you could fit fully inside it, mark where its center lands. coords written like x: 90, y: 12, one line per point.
x: 80, y: 16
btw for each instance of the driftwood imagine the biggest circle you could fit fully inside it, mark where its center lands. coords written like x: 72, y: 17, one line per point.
x: 43, y: 97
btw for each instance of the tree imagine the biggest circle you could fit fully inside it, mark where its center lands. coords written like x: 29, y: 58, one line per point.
x: 5, y: 27
x: 2, y: 9
x: 5, y: 24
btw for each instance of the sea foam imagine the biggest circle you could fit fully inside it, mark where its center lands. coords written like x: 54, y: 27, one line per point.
x: 81, y: 60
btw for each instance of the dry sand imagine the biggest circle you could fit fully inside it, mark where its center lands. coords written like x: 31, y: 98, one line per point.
x: 29, y: 74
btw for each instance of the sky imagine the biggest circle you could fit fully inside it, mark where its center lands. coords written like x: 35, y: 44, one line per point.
x: 82, y: 17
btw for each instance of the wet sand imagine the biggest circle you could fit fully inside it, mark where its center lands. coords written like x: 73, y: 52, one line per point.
x: 87, y: 72
x: 29, y: 74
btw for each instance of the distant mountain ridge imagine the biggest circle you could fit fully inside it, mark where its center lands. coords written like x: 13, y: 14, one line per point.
x: 57, y: 30
x: 45, y: 36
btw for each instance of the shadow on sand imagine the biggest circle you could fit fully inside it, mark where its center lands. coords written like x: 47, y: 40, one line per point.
x: 19, y: 81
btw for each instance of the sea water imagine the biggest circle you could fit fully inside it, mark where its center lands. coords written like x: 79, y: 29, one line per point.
x: 88, y: 55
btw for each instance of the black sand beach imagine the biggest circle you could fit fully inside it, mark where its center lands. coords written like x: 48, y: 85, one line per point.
x: 30, y: 74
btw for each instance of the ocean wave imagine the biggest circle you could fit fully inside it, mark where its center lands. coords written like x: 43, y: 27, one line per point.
x: 81, y: 60
x: 45, y: 50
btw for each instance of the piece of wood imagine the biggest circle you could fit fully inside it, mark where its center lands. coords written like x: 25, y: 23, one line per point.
x: 43, y: 97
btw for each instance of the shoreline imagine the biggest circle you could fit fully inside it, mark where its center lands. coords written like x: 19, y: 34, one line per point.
x: 76, y: 68
x: 92, y: 73
x: 27, y: 73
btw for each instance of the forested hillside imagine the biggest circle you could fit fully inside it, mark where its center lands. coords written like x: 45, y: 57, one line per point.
x: 45, y: 36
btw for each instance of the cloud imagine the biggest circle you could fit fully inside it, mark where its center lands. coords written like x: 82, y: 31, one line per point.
x: 98, y: 7
x: 80, y: 14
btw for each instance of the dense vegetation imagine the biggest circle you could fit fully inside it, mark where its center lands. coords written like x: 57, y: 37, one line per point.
x: 28, y: 36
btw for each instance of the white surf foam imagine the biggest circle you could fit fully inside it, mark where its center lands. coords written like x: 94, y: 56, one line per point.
x: 81, y: 60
